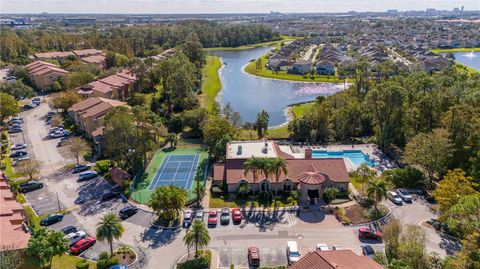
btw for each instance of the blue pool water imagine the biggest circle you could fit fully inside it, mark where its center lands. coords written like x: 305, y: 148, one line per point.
x: 357, y: 157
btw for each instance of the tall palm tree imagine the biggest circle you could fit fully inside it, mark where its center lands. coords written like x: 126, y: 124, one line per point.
x: 252, y: 165
x: 364, y: 175
x: 377, y: 191
x: 109, y: 228
x: 266, y: 166
x: 279, y: 166
x: 197, y: 236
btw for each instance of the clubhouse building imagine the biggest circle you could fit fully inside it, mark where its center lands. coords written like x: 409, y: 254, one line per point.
x: 307, y: 175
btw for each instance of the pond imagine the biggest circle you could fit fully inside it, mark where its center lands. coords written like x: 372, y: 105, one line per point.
x: 249, y: 94
x: 471, y: 59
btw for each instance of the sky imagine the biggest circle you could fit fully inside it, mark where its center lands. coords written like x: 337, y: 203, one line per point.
x: 225, y: 6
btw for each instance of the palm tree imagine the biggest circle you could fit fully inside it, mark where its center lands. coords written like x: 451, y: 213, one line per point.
x: 252, y: 165
x: 197, y: 236
x: 266, y: 166
x: 279, y: 166
x: 109, y: 228
x: 364, y: 175
x: 377, y: 191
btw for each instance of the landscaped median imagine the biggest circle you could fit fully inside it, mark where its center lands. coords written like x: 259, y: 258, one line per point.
x: 456, y: 50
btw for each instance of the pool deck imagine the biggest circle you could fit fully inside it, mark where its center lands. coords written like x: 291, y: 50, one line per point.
x: 371, y: 150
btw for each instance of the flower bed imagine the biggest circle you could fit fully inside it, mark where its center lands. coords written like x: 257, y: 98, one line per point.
x: 125, y: 255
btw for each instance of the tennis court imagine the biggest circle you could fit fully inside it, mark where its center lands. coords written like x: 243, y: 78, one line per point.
x: 176, y: 170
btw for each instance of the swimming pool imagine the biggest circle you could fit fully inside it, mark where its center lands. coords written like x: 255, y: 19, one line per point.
x: 357, y: 157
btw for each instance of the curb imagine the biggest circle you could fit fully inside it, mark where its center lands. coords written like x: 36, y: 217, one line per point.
x: 165, y: 228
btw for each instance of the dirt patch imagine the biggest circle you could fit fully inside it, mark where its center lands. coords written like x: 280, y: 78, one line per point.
x: 358, y: 214
x: 125, y: 255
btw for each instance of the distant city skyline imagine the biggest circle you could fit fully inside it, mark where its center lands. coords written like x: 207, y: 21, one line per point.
x: 225, y: 6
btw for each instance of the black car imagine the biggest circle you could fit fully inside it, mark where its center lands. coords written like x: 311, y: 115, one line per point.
x: 127, y: 212
x: 30, y: 186
x: 19, y: 153
x: 52, y: 219
x: 110, y: 194
x: 367, y: 250
x: 87, y: 175
x: 69, y: 229
x: 14, y: 130
x: 80, y: 168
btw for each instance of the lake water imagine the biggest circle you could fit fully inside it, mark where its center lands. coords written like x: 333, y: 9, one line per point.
x: 462, y: 58
x: 249, y: 94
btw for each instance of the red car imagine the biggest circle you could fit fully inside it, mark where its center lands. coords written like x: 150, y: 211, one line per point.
x: 253, y: 256
x: 82, y: 245
x: 212, y: 217
x: 236, y: 215
x: 369, y: 233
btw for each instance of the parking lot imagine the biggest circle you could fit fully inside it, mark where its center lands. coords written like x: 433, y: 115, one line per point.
x: 269, y: 257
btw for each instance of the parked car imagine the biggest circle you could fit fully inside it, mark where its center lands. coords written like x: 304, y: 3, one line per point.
x: 236, y: 215
x: 212, y: 217
x: 17, y: 118
x: 369, y: 233
x: 29, y: 106
x: 292, y: 252
x: 253, y: 256
x: 87, y: 175
x: 225, y: 216
x: 187, y: 218
x: 393, y: 196
x: 80, y: 168
x: 69, y: 229
x: 19, y: 160
x: 337, y: 247
x: 199, y: 215
x: 18, y: 153
x: 14, y: 130
x: 52, y: 219
x: 36, y: 101
x: 110, y: 194
x: 405, y: 195
x: 15, y: 121
x: 82, y: 245
x: 30, y: 186
x: 127, y: 212
x: 367, y: 250
x: 18, y: 146
x: 322, y: 247
x: 75, y: 237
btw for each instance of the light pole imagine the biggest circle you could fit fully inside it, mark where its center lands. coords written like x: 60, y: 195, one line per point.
x: 58, y: 202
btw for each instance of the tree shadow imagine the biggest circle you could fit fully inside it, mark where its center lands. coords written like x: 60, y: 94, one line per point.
x: 159, y: 237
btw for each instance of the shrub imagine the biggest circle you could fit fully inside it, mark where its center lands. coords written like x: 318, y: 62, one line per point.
x: 127, y: 251
x: 102, y: 166
x: 408, y: 177
x: 203, y: 261
x: 107, y: 262
x: 82, y: 264
x: 330, y: 194
x: 339, y: 213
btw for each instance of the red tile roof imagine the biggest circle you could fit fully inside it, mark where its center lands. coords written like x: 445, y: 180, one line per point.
x: 94, y: 59
x: 53, y: 54
x: 12, y: 234
x: 335, y: 259
x: 42, y: 68
x: 87, y: 52
x: 333, y: 169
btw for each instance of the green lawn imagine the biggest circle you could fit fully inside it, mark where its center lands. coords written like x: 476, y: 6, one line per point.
x: 142, y: 193
x: 211, y: 83
x: 252, y: 46
x: 462, y: 67
x: 251, y: 68
x: 62, y: 262
x: 456, y: 50
x: 300, y: 109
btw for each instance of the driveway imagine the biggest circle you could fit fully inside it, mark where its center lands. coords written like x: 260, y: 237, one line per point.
x: 416, y: 213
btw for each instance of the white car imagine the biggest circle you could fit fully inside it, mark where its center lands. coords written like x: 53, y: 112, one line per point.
x: 292, y: 252
x: 75, y: 237
x: 337, y: 247
x: 322, y: 247
x: 187, y: 218
x: 199, y: 215
x: 403, y: 193
x: 393, y: 196
x: 19, y: 160
x: 18, y: 146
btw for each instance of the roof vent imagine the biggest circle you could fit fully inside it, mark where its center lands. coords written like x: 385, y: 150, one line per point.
x: 239, y: 150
